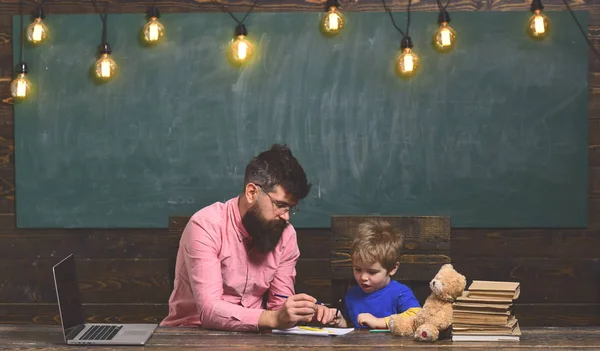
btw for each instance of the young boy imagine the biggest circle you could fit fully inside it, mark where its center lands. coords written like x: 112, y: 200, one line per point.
x: 375, y: 254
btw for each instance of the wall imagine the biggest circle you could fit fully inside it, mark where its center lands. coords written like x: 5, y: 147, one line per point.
x: 128, y: 272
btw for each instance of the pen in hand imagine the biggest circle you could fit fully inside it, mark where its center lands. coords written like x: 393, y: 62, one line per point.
x: 336, y: 318
x: 285, y: 297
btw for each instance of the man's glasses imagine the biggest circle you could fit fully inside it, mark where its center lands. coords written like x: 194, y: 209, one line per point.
x: 280, y: 207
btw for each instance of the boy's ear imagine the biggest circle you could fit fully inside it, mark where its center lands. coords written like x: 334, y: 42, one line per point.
x: 393, y: 271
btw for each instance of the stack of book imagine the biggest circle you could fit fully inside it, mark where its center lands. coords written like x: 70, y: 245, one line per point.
x: 484, y: 312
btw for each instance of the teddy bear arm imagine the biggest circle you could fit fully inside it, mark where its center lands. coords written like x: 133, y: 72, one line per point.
x: 402, y: 325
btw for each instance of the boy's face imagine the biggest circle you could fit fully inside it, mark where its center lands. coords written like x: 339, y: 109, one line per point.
x: 371, y: 276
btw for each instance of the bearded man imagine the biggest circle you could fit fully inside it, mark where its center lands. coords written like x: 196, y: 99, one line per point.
x: 232, y: 254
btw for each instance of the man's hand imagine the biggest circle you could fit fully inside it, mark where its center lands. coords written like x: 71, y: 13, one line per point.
x: 328, y: 316
x: 297, y: 308
x: 368, y: 320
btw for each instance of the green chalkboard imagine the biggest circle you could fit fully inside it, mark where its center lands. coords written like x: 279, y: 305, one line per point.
x: 493, y: 134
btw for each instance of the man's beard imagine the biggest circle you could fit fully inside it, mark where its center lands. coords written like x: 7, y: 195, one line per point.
x: 265, y: 234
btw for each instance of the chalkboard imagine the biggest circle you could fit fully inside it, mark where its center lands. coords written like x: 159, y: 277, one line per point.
x: 493, y: 134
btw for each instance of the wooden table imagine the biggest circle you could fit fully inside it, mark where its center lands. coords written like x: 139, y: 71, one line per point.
x: 34, y: 337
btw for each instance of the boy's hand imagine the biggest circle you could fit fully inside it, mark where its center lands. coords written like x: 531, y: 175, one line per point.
x: 325, y: 315
x: 368, y: 320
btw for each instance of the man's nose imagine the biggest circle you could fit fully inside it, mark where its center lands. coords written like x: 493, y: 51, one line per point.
x: 285, y: 216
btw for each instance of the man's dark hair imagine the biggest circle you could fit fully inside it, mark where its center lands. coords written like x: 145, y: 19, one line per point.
x: 277, y: 166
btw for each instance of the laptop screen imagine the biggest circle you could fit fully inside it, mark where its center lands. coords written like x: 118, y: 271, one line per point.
x: 67, y: 292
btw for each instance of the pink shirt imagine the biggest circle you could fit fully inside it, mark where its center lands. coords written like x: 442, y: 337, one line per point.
x: 218, y: 285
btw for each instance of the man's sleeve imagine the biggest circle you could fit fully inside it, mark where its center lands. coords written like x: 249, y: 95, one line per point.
x: 201, y: 246
x: 283, y: 281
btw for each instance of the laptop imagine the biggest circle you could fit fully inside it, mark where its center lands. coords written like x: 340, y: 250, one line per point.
x: 75, y: 330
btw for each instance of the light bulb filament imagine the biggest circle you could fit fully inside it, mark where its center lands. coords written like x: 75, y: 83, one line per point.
x: 38, y: 31
x: 242, y: 50
x: 153, y: 31
x: 105, y: 69
x: 408, y: 63
x: 538, y: 23
x: 333, y: 21
x: 21, y: 88
x: 445, y: 37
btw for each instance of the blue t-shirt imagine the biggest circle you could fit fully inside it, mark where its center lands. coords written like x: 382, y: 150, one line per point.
x: 394, y: 298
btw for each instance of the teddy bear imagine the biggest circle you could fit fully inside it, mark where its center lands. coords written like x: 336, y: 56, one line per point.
x: 436, y: 314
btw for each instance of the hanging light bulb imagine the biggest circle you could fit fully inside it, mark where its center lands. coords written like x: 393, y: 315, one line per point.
x: 333, y: 21
x: 445, y: 36
x: 20, y: 88
x: 241, y: 48
x: 153, y: 30
x: 105, y: 66
x: 538, y: 24
x: 408, y: 61
x: 37, y: 31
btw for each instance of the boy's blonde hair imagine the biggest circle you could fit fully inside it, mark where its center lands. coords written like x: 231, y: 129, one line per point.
x: 377, y: 241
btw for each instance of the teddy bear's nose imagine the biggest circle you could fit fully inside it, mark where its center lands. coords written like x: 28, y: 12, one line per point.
x: 433, y: 282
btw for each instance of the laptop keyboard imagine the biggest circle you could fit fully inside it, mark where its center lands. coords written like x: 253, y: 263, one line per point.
x: 101, y: 332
